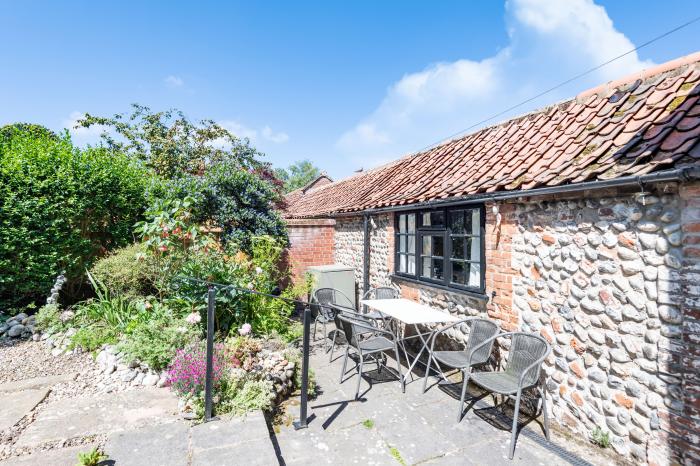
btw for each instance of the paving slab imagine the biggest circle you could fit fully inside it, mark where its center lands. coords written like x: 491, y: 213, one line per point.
x: 37, y: 382
x: 105, y: 413
x: 16, y: 405
x: 60, y: 457
x: 165, y: 444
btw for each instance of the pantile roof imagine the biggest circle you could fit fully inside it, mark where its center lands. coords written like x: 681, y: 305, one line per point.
x: 642, y: 123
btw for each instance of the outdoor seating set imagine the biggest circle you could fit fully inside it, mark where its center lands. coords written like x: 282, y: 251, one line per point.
x: 375, y: 331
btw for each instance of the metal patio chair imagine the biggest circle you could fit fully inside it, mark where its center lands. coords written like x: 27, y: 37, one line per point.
x: 526, y: 354
x: 480, y: 331
x: 381, y: 292
x: 367, y: 341
x: 323, y: 312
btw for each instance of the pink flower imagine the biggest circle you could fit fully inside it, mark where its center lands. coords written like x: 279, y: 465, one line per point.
x: 245, y: 329
x: 193, y: 318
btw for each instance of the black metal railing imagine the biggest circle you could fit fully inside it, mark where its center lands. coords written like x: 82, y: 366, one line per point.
x: 212, y: 288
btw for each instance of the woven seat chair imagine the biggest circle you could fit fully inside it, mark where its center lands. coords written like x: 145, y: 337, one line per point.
x: 382, y: 292
x: 323, y: 312
x: 480, y: 331
x: 367, y: 341
x: 526, y: 354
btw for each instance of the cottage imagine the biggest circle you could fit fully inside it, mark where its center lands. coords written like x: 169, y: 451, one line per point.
x: 580, y: 222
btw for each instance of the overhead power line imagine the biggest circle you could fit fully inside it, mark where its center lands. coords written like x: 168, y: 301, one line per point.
x: 563, y: 83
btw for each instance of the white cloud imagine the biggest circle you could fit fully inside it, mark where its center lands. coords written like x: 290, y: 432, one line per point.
x: 79, y: 134
x: 277, y: 138
x: 549, y: 41
x: 174, y: 81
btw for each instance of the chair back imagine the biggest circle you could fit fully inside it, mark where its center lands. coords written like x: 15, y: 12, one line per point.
x: 323, y: 299
x: 481, y: 330
x: 381, y: 292
x: 352, y: 325
x: 526, y: 349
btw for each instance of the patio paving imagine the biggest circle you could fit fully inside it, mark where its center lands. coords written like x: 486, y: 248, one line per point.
x: 389, y: 427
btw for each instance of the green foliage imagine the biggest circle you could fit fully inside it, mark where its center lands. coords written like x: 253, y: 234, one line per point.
x: 127, y: 271
x: 600, y: 437
x: 92, y: 337
x: 7, y: 132
x: 396, y: 454
x: 239, y: 202
x: 368, y: 423
x: 156, y: 341
x: 247, y: 393
x: 60, y: 208
x: 91, y: 457
x: 297, y: 175
x: 48, y: 318
x: 294, y: 355
x: 170, y: 144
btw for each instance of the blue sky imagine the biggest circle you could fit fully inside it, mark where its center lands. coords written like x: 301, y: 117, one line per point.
x: 344, y: 84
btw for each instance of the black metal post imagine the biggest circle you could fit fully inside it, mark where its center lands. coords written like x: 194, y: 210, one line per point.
x: 209, y: 380
x: 302, y: 423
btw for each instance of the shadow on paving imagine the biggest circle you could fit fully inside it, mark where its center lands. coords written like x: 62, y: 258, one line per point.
x: 386, y: 426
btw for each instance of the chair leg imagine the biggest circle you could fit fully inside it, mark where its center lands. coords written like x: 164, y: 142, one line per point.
x: 514, y: 431
x: 398, y: 369
x: 545, y: 415
x: 315, y: 324
x: 465, y: 382
x: 359, y: 378
x: 335, y: 334
x: 345, y: 364
x: 427, y: 371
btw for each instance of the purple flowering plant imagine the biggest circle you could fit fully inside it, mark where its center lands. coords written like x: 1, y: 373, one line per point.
x: 187, y: 371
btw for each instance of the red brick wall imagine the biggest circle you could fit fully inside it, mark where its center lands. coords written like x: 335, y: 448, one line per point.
x: 311, y: 243
x: 499, y: 271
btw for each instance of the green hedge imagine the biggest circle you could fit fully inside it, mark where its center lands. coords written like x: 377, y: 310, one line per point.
x: 60, y: 208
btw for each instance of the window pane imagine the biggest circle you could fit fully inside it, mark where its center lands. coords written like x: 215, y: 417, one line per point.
x: 474, y: 252
x: 412, y: 264
x: 438, y: 245
x: 427, y: 249
x: 411, y: 223
x: 402, y: 243
x: 457, y: 221
x: 476, y: 222
x: 426, y: 267
x: 402, y: 263
x: 458, y: 273
x: 411, y: 244
x: 438, y: 265
x: 402, y: 223
x: 434, y: 219
x: 475, y: 275
x: 458, y: 247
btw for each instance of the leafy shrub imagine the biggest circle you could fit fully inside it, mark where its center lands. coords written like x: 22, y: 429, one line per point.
x: 60, y: 208
x: 7, y: 132
x: 93, y: 337
x: 127, y: 271
x: 48, y: 317
x: 157, y: 341
x: 244, y: 394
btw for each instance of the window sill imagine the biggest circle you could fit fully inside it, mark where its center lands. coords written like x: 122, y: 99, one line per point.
x: 472, y: 294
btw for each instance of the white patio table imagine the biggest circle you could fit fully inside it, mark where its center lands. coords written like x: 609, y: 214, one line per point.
x: 410, y: 313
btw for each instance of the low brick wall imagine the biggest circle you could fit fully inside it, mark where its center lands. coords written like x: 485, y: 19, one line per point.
x: 311, y: 243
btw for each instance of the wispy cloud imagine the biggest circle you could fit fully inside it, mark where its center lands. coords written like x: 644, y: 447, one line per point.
x: 277, y: 138
x: 549, y: 41
x: 174, y: 82
x: 255, y: 135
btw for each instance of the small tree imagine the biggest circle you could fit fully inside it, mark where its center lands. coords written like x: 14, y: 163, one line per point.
x: 298, y: 175
x: 171, y: 144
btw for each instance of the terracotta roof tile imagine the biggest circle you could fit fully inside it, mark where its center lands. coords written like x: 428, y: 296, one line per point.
x: 645, y: 122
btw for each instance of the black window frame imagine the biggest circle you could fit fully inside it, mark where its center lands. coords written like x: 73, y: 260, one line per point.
x: 447, y: 234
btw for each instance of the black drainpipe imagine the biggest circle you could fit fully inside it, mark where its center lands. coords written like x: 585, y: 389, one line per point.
x: 365, y: 260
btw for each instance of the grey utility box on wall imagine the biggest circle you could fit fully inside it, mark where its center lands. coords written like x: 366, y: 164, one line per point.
x: 340, y: 277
